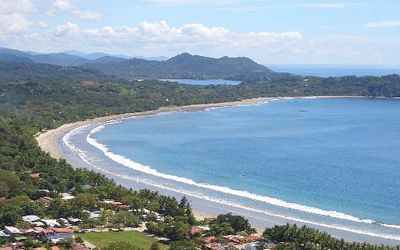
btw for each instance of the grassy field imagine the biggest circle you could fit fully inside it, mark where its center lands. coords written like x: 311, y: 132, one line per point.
x: 135, y: 238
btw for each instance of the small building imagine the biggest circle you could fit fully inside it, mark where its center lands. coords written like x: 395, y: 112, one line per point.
x: 51, y: 223
x: 46, y: 199
x: 56, y: 233
x: 35, y: 175
x: 196, y: 230
x: 31, y: 218
x: 67, y: 197
x: 214, y: 246
x: 2, y: 199
x: 251, y: 238
x: 13, y: 231
x: 209, y: 239
x: 74, y: 221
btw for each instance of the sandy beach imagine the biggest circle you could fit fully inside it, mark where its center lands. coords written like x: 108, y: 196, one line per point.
x: 47, y: 139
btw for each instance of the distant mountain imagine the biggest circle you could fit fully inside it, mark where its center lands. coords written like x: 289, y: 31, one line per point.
x: 155, y: 58
x: 181, y: 66
x: 60, y: 59
x: 190, y: 66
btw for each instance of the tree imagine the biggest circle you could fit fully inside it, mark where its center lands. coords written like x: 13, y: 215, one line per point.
x: 182, y: 245
x: 155, y: 246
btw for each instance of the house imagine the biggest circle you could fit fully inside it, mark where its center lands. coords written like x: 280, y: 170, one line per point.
x: 13, y: 231
x: 51, y: 223
x: 35, y: 176
x: 67, y: 197
x: 251, y: 238
x: 195, y: 230
x: 6, y: 248
x: 3, y: 234
x: 209, y: 239
x: 74, y: 221
x: 46, y: 199
x: 94, y: 214
x: 56, y: 233
x: 236, y: 239
x: 214, y: 246
x: 2, y: 199
x: 31, y: 218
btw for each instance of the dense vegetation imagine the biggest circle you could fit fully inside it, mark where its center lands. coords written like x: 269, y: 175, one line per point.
x: 293, y: 237
x: 37, y: 96
x: 190, y: 66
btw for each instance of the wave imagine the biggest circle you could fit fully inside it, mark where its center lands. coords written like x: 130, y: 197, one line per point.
x: 245, y: 194
x: 84, y: 157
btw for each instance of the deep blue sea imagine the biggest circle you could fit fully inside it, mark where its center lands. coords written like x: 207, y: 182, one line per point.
x: 329, y: 163
x: 203, y: 82
x: 335, y: 71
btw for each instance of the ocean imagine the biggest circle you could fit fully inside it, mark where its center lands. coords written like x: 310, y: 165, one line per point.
x: 332, y: 164
x: 334, y: 70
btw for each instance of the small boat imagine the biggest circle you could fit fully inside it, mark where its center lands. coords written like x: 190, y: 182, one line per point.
x: 242, y: 175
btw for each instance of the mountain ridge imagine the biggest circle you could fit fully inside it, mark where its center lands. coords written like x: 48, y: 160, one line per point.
x: 184, y: 65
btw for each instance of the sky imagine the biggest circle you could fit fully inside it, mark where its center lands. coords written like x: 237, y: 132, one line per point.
x: 359, y: 32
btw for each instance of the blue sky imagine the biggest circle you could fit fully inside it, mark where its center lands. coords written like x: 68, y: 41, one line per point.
x: 268, y: 31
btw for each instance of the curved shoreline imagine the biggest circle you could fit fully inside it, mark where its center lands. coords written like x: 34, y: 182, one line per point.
x: 49, y: 140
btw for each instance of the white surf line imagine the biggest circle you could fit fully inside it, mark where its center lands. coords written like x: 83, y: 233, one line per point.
x: 245, y: 194
x: 82, y: 155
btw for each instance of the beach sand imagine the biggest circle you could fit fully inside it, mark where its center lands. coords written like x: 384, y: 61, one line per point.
x: 49, y: 141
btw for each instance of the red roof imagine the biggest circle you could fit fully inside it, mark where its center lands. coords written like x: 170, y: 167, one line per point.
x: 35, y: 175
x: 116, y: 203
x: 62, y: 230
x: 194, y: 230
x: 46, y: 199
x: 210, y: 239
x: 2, y: 199
x: 252, y: 238
x: 39, y: 229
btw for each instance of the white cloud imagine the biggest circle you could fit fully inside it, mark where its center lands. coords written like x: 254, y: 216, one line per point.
x: 64, y: 5
x: 42, y: 24
x: 13, y: 6
x: 13, y: 23
x: 69, y: 29
x: 159, y: 35
x: 88, y: 15
x: 330, y: 5
x: 73, y: 7
x: 383, y: 24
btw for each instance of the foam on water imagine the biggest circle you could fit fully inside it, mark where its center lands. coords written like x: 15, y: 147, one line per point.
x: 245, y: 194
x: 138, y: 167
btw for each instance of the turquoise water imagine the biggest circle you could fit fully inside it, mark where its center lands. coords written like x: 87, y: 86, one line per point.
x: 203, y: 82
x: 332, y: 163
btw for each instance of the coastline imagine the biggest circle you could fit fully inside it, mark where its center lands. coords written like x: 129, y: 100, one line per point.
x: 49, y: 141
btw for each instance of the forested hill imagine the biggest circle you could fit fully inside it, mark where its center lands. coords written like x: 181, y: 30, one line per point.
x: 59, y: 94
x: 20, y: 70
x: 180, y: 66
x: 191, y: 67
